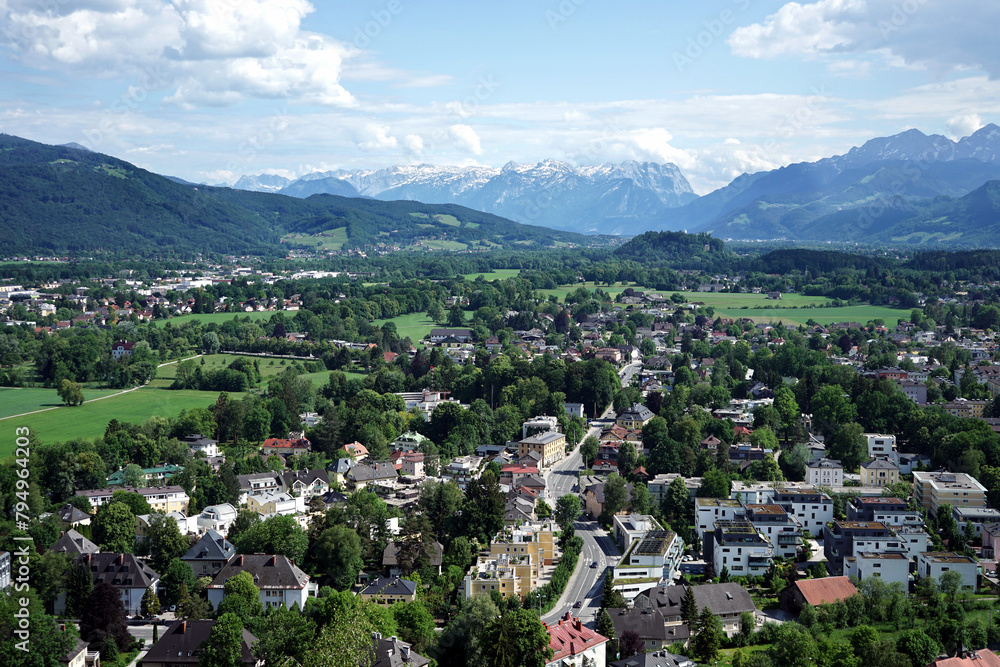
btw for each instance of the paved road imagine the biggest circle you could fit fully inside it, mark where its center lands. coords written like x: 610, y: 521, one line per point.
x: 627, y: 373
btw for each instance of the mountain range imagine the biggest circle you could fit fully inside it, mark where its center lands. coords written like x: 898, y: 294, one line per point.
x: 70, y: 200
x: 907, y: 188
x: 608, y: 198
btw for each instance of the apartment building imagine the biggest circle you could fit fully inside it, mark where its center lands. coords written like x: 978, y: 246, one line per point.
x: 825, y: 472
x: 955, y: 489
x: 738, y: 546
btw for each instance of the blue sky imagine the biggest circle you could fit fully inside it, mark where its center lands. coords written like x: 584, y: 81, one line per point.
x: 211, y: 89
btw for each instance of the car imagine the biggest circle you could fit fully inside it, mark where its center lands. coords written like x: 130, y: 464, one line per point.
x: 577, y: 604
x: 172, y: 607
x: 593, y: 565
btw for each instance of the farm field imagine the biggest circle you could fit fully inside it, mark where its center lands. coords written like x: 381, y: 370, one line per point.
x: 217, y: 318
x: 824, y: 316
x: 15, y: 401
x: 496, y: 274
x: 333, y: 239
x: 91, y: 419
x: 414, y: 325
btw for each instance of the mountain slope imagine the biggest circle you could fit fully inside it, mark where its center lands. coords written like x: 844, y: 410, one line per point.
x: 64, y: 200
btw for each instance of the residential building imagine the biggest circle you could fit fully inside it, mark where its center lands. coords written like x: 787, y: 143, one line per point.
x: 73, y: 516
x: 164, y: 499
x: 77, y: 656
x: 966, y: 408
x: 356, y: 451
x: 880, y: 445
x: 738, y: 547
x: 271, y: 503
x: 4, y: 570
x: 389, y: 591
x: 306, y: 483
x: 891, y: 567
x: 654, y: 557
x: 575, y: 645
x: 122, y: 349
x: 280, y: 581
x: 209, y: 554
x: 129, y: 575
x: 991, y: 540
x: 628, y: 528
x: 811, y: 508
x: 285, y: 446
x: 365, y: 475
x: 815, y: 592
x: 727, y: 601
x: 781, y: 530
x: 413, y: 464
x: 709, y: 510
x: 462, y: 470
x: 153, y: 476
x: 550, y: 446
x: 393, y: 652
x: 935, y: 563
x: 977, y: 516
x: 536, y: 539
x: 880, y: 471
x: 182, y: 643
x: 654, y: 659
x: 217, y: 517
x: 510, y: 575
x: 846, y: 538
x: 73, y: 543
x: 462, y: 335
x: 390, y: 560
x: 539, y: 425
x: 955, y: 489
x: 337, y: 471
x: 965, y: 658
x: 825, y: 472
x: 644, y: 621
x: 875, y: 508
x: 258, y: 483
x: 635, y: 417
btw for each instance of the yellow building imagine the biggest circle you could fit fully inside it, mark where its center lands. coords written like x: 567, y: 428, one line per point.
x: 955, y: 489
x: 535, y: 539
x: 635, y: 417
x: 880, y: 471
x: 509, y: 575
x: 966, y: 408
x: 550, y: 446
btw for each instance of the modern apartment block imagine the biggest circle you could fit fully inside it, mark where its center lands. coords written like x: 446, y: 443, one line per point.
x: 955, y: 489
x: 739, y: 547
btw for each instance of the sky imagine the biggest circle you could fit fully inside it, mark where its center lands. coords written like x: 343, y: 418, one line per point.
x: 207, y: 90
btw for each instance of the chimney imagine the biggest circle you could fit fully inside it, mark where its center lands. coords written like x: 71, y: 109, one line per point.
x: 184, y: 626
x: 405, y: 650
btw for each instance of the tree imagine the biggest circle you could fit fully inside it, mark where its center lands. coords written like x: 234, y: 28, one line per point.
x: 787, y: 408
x: 714, y: 484
x: 71, y: 393
x: 79, y: 584
x: 114, y: 528
x: 257, y: 424
x: 150, y: 603
x: 280, y: 535
x: 568, y: 510
x: 626, y: 459
x: 178, y: 574
x: 629, y: 644
x: 615, y: 497
x: 134, y: 501
x: 951, y: 583
x: 793, y: 462
x: 338, y: 553
x: 606, y: 628
x: 461, y: 642
x: 677, y: 500
x: 282, y: 633
x: 224, y: 646
x: 415, y: 623
x: 104, y: 620
x: 831, y: 408
x: 165, y: 541
x: 689, y: 607
x: 641, y: 502
x: 210, y: 343
x: 48, y: 641
x: 241, y: 597
x: 792, y: 646
x: 848, y: 446
x: 344, y: 641
x: 518, y: 638
x: 612, y: 597
x: 482, y: 511
x: 707, y: 636
x: 588, y: 450
x: 918, y: 646
x: 863, y: 640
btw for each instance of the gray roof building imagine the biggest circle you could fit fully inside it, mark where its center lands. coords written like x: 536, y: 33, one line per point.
x: 393, y: 586
x: 393, y: 652
x: 181, y: 644
x: 74, y: 543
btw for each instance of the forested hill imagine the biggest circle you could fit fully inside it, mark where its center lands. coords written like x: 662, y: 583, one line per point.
x: 671, y: 246
x: 68, y: 200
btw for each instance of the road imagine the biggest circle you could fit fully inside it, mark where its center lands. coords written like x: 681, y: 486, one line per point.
x: 586, y: 584
x: 626, y: 373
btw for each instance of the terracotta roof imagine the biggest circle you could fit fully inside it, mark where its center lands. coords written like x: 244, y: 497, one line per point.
x: 983, y: 658
x: 570, y: 637
x: 827, y: 589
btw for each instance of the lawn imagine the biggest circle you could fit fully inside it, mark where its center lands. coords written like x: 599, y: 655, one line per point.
x: 320, y: 379
x: 824, y: 316
x: 15, y: 401
x: 495, y: 274
x: 414, y: 325
x: 438, y: 244
x: 217, y: 318
x: 333, y: 239
x: 91, y: 419
x: 269, y: 366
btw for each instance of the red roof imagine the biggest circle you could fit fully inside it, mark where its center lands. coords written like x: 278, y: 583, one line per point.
x: 285, y: 443
x: 571, y: 637
x: 387, y: 357
x: 519, y: 467
x: 984, y: 658
x: 825, y: 590
x: 123, y: 345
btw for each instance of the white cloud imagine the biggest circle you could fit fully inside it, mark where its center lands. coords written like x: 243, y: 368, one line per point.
x: 208, y: 52
x: 963, y: 125
x: 414, y: 143
x: 376, y: 137
x: 941, y: 37
x: 466, y: 139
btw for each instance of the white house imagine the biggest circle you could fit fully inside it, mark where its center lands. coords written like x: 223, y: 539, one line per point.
x: 130, y: 576
x: 890, y: 567
x: 657, y: 555
x: 217, y: 517
x: 709, y: 510
x: 881, y: 445
x: 740, y: 548
x: 825, y: 472
x: 936, y: 563
x: 280, y: 581
x: 271, y: 503
x: 811, y: 508
x: 575, y: 645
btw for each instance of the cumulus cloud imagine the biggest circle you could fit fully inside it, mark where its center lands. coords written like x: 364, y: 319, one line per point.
x: 963, y: 125
x: 208, y: 52
x: 466, y: 138
x: 921, y: 33
x: 414, y: 144
x: 376, y: 137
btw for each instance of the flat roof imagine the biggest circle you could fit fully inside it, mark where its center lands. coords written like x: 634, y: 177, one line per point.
x: 654, y: 543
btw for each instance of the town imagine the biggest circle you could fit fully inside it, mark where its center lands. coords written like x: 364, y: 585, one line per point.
x: 234, y: 465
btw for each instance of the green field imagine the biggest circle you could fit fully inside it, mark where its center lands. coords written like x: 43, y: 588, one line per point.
x: 414, y: 325
x: 495, y: 274
x: 438, y: 244
x: 726, y: 300
x: 333, y: 239
x: 824, y: 316
x: 15, y: 401
x: 217, y: 318
x: 91, y: 419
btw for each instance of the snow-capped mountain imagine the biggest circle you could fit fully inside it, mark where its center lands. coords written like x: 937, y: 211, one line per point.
x: 608, y: 198
x: 261, y: 182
